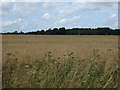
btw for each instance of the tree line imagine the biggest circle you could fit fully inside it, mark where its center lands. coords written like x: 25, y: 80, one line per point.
x: 72, y: 31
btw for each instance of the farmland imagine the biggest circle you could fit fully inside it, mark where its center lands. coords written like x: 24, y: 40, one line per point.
x: 60, y: 61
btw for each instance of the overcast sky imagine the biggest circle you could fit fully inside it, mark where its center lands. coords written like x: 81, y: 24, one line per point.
x: 30, y: 16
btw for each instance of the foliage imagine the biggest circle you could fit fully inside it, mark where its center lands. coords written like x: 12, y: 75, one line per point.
x: 73, y: 31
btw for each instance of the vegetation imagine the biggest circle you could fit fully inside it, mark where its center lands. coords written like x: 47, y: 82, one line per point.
x: 60, y: 61
x: 73, y: 31
x: 65, y: 72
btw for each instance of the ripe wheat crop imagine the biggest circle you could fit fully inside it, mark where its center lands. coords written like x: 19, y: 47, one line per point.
x: 60, y: 61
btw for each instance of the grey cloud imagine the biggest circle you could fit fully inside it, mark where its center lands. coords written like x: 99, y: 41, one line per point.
x: 82, y: 7
x: 19, y: 10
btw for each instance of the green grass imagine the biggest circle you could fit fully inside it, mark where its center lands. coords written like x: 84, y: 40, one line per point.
x: 64, y: 72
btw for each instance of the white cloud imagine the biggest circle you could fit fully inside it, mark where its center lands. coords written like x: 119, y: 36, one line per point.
x: 0, y: 9
x: 45, y: 5
x: 76, y: 17
x: 80, y: 7
x: 64, y: 21
x: 116, y: 24
x: 19, y: 9
x: 46, y: 16
x: 8, y: 23
x: 60, y: 0
x: 113, y: 15
x: 61, y: 21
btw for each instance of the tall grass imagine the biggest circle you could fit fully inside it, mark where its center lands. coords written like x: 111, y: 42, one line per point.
x: 64, y: 72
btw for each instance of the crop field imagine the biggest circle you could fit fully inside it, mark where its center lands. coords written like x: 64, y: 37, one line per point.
x: 60, y: 61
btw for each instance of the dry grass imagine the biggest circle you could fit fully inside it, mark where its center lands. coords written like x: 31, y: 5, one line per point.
x: 36, y: 46
x: 24, y: 55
